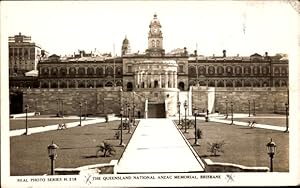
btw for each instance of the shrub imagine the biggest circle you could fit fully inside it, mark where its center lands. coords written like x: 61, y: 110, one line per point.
x: 107, y: 149
x: 215, y: 147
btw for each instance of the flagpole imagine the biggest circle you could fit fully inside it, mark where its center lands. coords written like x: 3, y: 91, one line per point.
x: 114, y: 56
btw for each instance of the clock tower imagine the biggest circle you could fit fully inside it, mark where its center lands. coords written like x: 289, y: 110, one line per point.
x: 155, y: 39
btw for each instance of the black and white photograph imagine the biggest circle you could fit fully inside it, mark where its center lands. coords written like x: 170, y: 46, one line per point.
x: 150, y: 93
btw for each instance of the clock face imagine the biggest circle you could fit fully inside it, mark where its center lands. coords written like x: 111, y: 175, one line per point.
x: 155, y: 30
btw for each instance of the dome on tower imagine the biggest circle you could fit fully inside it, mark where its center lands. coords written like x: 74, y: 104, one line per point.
x: 154, y: 21
x: 125, y: 41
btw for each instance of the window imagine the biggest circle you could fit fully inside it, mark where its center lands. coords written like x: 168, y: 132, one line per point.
x: 129, y: 68
x: 180, y: 68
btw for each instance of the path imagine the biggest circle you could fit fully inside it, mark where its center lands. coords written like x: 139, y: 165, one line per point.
x: 157, y: 146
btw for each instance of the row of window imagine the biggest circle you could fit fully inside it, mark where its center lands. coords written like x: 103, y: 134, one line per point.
x: 78, y: 84
x: 80, y: 71
x: 247, y: 83
x: 237, y: 70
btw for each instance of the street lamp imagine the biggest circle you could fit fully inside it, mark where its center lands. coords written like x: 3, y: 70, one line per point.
x: 121, y: 113
x: 129, y: 121
x: 133, y: 114
x: 178, y: 105
x: 254, y: 108
x: 185, y: 108
x: 226, y: 109
x: 85, y: 109
x: 231, y: 104
x: 249, y: 107
x: 26, y: 123
x: 52, y: 155
x: 80, y: 106
x: 287, y: 117
x: 195, y: 114
x: 271, y: 147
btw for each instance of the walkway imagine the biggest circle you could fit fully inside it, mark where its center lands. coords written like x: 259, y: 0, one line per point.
x: 32, y: 130
x: 157, y: 146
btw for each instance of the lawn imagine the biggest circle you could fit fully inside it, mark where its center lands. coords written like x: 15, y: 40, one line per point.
x: 77, y: 147
x: 243, y: 145
x: 21, y: 123
x: 277, y: 121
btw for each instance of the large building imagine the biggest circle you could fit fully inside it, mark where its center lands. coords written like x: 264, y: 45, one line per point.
x: 158, y: 79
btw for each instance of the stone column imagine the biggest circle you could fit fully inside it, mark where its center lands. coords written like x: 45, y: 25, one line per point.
x: 159, y: 83
x: 138, y: 79
x: 175, y: 79
x: 146, y: 80
x: 166, y: 79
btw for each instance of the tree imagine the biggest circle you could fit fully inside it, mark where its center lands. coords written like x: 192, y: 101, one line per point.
x: 107, y: 149
x: 215, y: 147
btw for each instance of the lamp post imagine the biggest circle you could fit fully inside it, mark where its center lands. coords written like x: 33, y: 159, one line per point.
x: 287, y: 117
x: 52, y: 155
x: 121, y: 138
x: 178, y: 106
x: 249, y: 107
x: 133, y: 114
x: 62, y: 106
x: 26, y: 123
x: 226, y: 109
x: 254, y: 108
x: 57, y: 115
x: 129, y: 120
x: 231, y: 104
x: 80, y: 106
x: 85, y: 110
x: 185, y: 108
x: 195, y: 114
x: 271, y: 147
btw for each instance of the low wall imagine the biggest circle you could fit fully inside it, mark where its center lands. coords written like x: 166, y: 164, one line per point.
x: 266, y: 99
x: 211, y: 166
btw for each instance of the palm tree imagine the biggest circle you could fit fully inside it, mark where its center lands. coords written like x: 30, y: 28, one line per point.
x: 107, y: 149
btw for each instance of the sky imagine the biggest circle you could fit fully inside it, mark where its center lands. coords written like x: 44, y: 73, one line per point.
x: 244, y: 28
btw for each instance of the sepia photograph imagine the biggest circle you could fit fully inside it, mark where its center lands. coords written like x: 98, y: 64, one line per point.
x: 150, y: 93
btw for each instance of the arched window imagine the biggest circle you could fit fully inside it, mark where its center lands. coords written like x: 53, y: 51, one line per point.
x: 238, y: 84
x: 201, y: 70
x: 247, y: 83
x: 90, y: 71
x: 283, y: 83
x: 256, y: 70
x: 265, y: 70
x: 238, y: 70
x: 192, y: 71
x: 129, y: 86
x: 265, y: 84
x: 81, y: 71
x: 99, y: 84
x: 99, y: 71
x: 81, y: 84
x: 256, y: 84
x: 72, y: 84
x: 45, y: 85
x: 220, y: 70
x: 211, y: 83
x: 53, y: 84
x: 211, y: 70
x: 229, y: 83
x: 181, y: 86
x: 54, y: 71
x: 277, y: 84
x: 63, y: 84
x: 276, y: 71
x: 109, y: 71
x: 247, y: 70
x: 153, y: 43
x: 63, y: 71
x: 229, y: 70
x: 108, y: 84
x: 72, y: 71
x: 45, y: 71
x: 220, y: 84
x: 119, y: 83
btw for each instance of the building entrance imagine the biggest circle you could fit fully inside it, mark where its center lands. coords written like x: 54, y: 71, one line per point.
x: 156, y: 110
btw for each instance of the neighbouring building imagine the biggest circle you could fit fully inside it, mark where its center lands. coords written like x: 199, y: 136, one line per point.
x: 158, y: 80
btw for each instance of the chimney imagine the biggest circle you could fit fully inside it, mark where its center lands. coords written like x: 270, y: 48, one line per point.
x: 266, y: 54
x: 224, y: 53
